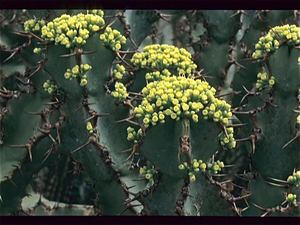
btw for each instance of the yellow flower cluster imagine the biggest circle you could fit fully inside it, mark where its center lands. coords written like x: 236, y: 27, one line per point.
x: 120, y: 92
x: 271, y: 42
x: 294, y: 179
x: 199, y: 165
x: 148, y: 173
x: 89, y: 127
x: 50, y: 87
x: 118, y: 72
x: 215, y: 167
x: 263, y: 81
x: 98, y: 12
x: 163, y: 56
x: 157, y: 75
x: 113, y: 39
x: 230, y: 143
x: 72, y: 31
x: 80, y: 72
x: 132, y: 135
x: 39, y: 51
x: 178, y: 96
x: 33, y: 25
x: 291, y: 199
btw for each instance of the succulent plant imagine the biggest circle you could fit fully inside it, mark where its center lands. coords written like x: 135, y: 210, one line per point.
x: 148, y: 112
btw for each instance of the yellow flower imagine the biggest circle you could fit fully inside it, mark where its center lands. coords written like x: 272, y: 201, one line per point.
x: 181, y: 167
x: 67, y: 75
x: 225, y: 120
x: 271, y: 82
x: 148, y: 176
x: 83, y: 82
x: 146, y: 120
x: 195, y: 118
x: 175, y: 101
x: 161, y: 116
x: 95, y: 28
x: 118, y: 46
x: 185, y: 107
x: 79, y: 40
x: 154, y: 118
x: 216, y: 167
x: 46, y: 85
x: 204, y: 97
x: 192, y: 178
x: 89, y: 126
x: 196, y: 164
x: 176, y: 108
x: 75, y: 70
x: 173, y: 116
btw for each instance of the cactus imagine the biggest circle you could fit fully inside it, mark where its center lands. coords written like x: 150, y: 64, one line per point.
x: 179, y: 113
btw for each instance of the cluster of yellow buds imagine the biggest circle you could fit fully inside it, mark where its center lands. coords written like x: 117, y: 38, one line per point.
x: 291, y: 199
x: 78, y: 72
x: 277, y: 35
x: 157, y: 75
x: 177, y: 97
x: 74, y: 30
x: 227, y: 141
x: 294, y: 179
x: 113, y: 39
x: 218, y: 110
x: 148, y: 173
x: 50, y: 87
x: 120, y: 92
x: 33, y: 25
x: 98, y: 12
x: 89, y: 127
x: 163, y: 56
x: 39, y: 51
x: 118, y: 72
x: 263, y: 81
x: 215, y: 167
x: 132, y: 135
x: 199, y: 165
x: 195, y: 167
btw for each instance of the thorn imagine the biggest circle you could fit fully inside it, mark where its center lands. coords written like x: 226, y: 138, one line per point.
x: 27, y: 146
x: 97, y: 115
x: 293, y: 139
x: 81, y: 147
x: 283, y: 181
x: 252, y: 59
x: 219, y: 175
x: 84, y: 104
x: 128, y: 207
x: 50, y: 152
x: 259, y: 207
x: 242, y: 197
x: 131, y: 187
x: 237, y: 125
x: 79, y: 52
x: 11, y: 181
x: 277, y: 185
x: 239, y: 12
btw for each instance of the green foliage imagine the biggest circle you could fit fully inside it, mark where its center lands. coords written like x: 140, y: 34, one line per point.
x: 119, y: 117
